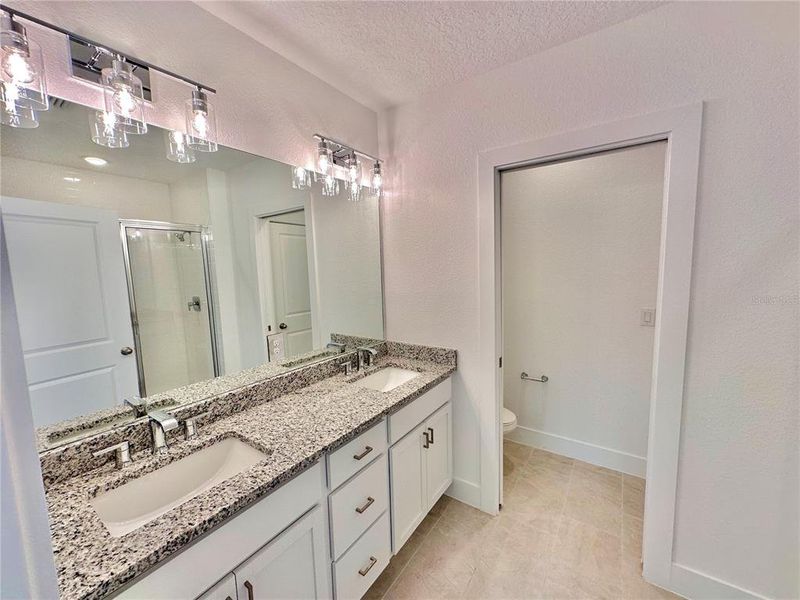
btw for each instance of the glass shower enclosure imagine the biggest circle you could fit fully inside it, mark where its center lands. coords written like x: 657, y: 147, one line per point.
x: 172, y: 310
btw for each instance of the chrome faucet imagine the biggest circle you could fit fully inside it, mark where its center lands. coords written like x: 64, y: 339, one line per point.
x: 138, y: 405
x: 365, y: 356
x: 338, y: 345
x: 160, y: 423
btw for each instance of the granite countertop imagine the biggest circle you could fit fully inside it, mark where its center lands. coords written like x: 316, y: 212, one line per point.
x: 295, y: 430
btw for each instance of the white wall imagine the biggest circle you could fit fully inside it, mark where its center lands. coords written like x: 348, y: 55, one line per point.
x: 737, y: 504
x: 580, y: 242
x: 189, y: 198
x: 129, y: 197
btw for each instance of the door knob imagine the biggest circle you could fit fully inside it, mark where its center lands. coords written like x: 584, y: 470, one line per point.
x: 126, y: 350
x: 282, y: 326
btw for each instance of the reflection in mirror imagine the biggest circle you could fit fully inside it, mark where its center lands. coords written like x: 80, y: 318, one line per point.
x: 135, y: 276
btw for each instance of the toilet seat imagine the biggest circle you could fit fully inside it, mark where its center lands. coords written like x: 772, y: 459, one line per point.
x: 509, y: 420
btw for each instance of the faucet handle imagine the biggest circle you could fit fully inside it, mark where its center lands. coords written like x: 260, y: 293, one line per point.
x: 190, y: 425
x: 166, y: 421
x: 122, y: 453
x: 338, y: 345
x: 137, y: 404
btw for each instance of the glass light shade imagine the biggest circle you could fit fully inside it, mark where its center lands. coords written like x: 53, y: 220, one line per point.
x: 21, y: 68
x: 14, y: 115
x: 376, y: 181
x: 124, y: 97
x: 354, y: 178
x: 324, y: 158
x: 330, y: 185
x: 201, y: 122
x: 104, y: 131
x: 301, y: 178
x: 178, y: 149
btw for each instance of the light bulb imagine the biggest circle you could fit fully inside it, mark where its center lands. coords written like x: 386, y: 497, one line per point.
x: 300, y: 178
x: 17, y: 66
x: 178, y: 149
x: 124, y: 97
x: 376, y: 181
x: 124, y: 102
x: 200, y: 122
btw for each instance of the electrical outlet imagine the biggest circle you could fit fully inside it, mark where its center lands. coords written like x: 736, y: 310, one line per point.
x: 647, y: 317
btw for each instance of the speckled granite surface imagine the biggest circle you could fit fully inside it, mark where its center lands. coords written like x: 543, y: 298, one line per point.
x: 295, y: 429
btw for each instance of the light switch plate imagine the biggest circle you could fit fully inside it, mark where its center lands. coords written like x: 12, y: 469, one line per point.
x: 647, y: 317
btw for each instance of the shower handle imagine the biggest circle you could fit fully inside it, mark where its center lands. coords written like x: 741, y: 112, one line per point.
x: 194, y: 303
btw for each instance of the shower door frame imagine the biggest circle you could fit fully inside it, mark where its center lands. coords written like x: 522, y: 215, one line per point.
x: 205, y: 247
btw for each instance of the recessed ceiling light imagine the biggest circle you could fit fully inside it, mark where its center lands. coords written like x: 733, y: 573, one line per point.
x: 72, y: 179
x: 95, y: 161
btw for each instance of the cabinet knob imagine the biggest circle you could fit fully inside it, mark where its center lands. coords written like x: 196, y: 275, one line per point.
x: 126, y: 350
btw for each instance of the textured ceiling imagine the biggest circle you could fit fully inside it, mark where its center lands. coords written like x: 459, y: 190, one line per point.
x: 386, y: 53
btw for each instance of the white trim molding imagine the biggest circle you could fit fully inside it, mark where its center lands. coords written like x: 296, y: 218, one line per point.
x: 465, y: 491
x: 693, y: 584
x: 590, y: 453
x: 681, y: 128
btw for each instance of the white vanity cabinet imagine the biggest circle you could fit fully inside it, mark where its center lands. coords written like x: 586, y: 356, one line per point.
x: 291, y: 566
x: 223, y: 590
x: 421, y: 467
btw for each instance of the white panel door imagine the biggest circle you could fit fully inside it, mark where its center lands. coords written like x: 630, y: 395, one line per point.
x: 439, y: 454
x: 293, y: 565
x: 409, y: 496
x: 290, y: 286
x: 223, y: 590
x: 72, y: 302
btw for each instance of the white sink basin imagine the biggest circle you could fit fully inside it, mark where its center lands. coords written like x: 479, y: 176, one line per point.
x: 386, y: 379
x: 130, y: 506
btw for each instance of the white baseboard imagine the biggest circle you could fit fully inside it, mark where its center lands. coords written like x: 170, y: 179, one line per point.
x: 466, y: 492
x: 596, y: 455
x: 699, y: 586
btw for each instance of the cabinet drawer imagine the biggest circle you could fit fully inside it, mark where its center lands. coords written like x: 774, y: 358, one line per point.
x: 411, y: 415
x: 358, y: 569
x: 356, y: 505
x: 356, y: 454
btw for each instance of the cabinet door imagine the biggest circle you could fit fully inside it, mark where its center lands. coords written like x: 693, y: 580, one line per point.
x: 439, y: 454
x: 224, y: 590
x: 409, y: 497
x: 293, y: 565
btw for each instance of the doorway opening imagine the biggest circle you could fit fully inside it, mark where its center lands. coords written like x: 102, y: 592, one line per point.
x: 284, y: 287
x: 579, y: 247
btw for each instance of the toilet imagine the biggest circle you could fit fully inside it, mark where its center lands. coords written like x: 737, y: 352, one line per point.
x: 509, y: 421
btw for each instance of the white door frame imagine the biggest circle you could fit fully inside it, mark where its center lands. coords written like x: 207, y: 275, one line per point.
x: 681, y: 128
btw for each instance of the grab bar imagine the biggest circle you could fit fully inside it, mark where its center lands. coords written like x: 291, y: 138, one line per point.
x: 526, y: 377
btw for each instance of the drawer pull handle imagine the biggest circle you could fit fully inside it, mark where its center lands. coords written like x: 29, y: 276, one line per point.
x: 366, y: 451
x: 427, y: 442
x: 249, y: 587
x: 367, y: 504
x: 363, y: 572
x: 431, y: 430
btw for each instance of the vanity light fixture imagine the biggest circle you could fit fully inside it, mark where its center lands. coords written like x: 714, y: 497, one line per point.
x: 23, y: 87
x: 178, y: 148
x: 95, y: 161
x: 333, y: 155
x: 104, y: 131
x: 124, y: 96
x: 201, y: 122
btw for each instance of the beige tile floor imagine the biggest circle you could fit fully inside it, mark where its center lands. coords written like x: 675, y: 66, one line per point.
x: 567, y: 530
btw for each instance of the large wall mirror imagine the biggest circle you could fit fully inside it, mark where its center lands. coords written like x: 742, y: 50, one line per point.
x: 135, y: 276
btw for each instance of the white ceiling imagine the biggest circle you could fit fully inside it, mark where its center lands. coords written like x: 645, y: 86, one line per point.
x: 386, y: 53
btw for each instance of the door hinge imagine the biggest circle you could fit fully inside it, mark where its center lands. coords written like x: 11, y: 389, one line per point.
x: 500, y: 363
